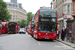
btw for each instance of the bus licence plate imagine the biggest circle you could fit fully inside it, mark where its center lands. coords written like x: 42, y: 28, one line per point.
x: 46, y: 38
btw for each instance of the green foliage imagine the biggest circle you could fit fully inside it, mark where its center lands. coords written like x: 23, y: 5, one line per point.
x: 4, y: 14
x: 26, y: 23
x: 29, y: 14
x: 22, y: 23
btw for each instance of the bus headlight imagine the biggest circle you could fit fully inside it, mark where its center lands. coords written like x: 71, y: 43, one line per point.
x: 39, y: 33
x: 54, y: 34
x: 35, y: 31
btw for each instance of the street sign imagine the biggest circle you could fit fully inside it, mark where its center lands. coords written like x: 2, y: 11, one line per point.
x: 65, y: 17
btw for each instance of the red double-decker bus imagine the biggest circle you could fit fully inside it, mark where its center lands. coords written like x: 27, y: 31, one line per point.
x: 4, y: 27
x: 45, y: 24
x: 29, y: 27
x: 32, y: 26
x: 0, y: 27
x: 12, y: 27
x: 17, y: 28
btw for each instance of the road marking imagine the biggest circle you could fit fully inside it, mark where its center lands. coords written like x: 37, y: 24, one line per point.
x: 38, y: 42
x: 0, y: 44
x: 66, y: 46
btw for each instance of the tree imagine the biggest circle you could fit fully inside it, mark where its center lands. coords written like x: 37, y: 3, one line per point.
x: 29, y: 14
x: 4, y: 14
x: 22, y: 23
x: 26, y: 23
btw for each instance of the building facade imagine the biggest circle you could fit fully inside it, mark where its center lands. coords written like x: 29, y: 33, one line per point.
x: 14, y: 1
x: 16, y: 10
x: 64, y: 9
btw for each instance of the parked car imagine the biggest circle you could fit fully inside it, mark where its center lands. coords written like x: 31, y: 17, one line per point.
x: 22, y: 30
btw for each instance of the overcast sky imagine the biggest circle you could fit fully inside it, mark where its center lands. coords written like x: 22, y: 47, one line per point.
x: 33, y: 5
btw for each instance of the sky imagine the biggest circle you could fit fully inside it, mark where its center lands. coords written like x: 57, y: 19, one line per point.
x: 33, y: 5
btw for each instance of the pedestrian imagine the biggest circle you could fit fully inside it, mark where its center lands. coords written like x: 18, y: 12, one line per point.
x: 59, y: 31
x: 57, y: 34
x: 65, y: 32
x: 62, y: 35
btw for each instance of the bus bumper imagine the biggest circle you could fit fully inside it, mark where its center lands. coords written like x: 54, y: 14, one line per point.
x: 46, y: 37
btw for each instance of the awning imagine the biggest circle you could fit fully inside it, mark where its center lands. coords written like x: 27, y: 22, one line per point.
x: 60, y: 19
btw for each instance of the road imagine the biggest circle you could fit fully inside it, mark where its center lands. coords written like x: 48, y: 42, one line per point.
x: 26, y: 42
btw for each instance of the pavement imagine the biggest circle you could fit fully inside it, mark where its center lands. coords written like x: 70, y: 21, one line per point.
x: 67, y: 43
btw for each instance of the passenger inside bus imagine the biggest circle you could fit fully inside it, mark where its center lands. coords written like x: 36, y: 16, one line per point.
x: 47, y: 28
x: 45, y: 15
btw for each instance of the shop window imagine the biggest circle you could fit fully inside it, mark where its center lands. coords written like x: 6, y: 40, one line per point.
x: 68, y: 10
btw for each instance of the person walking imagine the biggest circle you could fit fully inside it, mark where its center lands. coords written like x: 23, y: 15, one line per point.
x: 65, y: 32
x: 62, y: 34
x: 57, y: 34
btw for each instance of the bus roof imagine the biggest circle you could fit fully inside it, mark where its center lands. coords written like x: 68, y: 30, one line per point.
x: 47, y: 8
x: 3, y: 23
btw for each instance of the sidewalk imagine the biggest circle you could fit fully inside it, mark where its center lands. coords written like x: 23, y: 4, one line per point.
x: 67, y: 43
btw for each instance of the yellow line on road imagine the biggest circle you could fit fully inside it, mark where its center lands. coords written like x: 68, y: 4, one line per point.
x: 66, y: 45
x: 38, y: 42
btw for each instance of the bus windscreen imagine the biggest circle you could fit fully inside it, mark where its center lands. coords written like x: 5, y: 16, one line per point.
x: 47, y: 21
x: 47, y: 13
x: 12, y: 25
x: 47, y: 27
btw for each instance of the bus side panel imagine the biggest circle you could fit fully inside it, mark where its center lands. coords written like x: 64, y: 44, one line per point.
x: 46, y: 35
x: 0, y: 27
x: 0, y: 30
x: 31, y: 33
x: 17, y: 28
x: 4, y: 30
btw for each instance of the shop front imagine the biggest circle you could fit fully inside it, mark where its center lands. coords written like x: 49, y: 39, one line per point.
x: 71, y: 31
